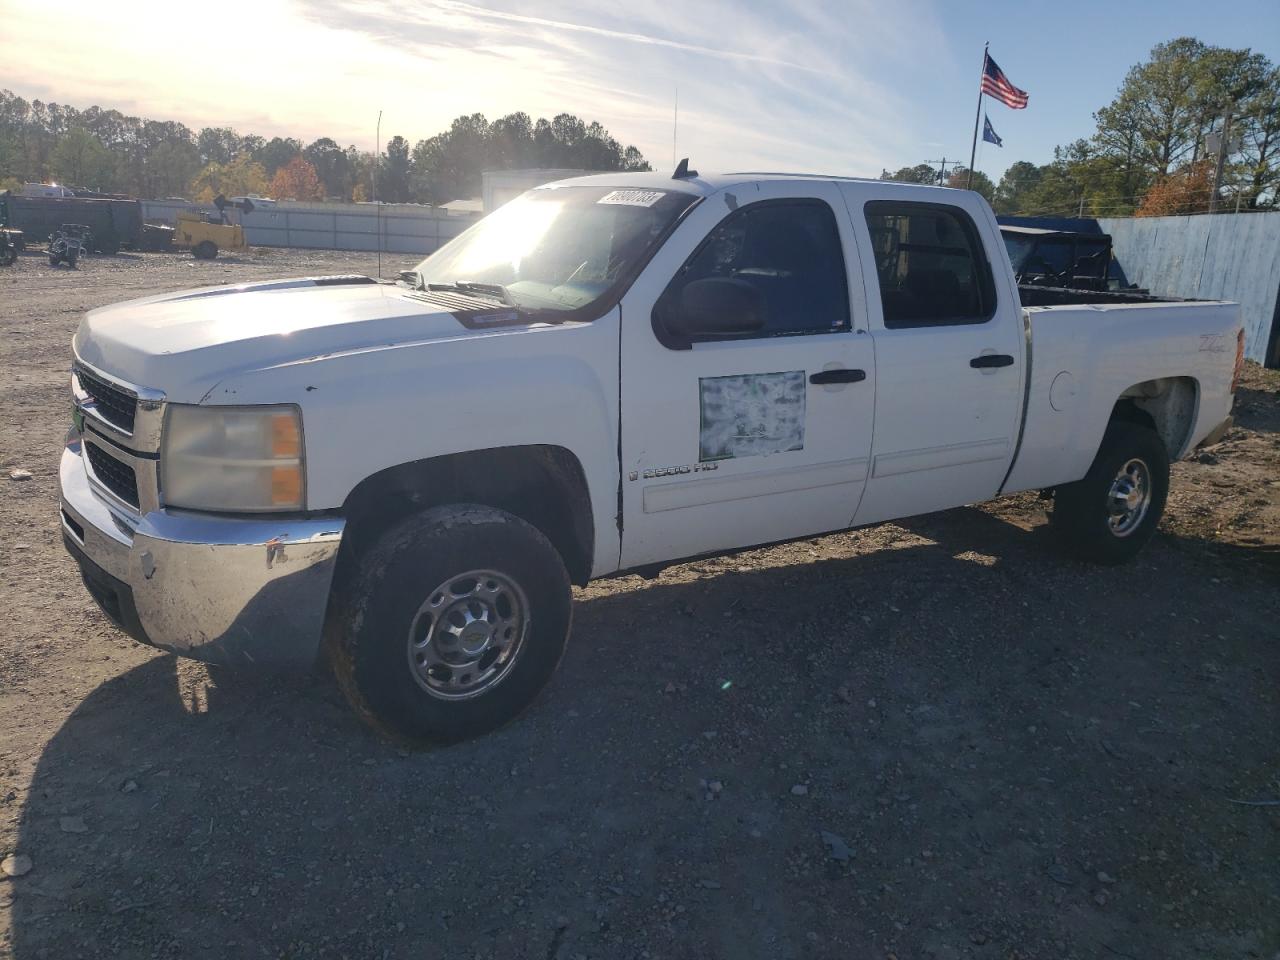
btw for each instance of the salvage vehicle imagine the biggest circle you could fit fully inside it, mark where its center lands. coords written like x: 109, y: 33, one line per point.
x: 68, y: 242
x: 12, y: 237
x: 1058, y: 258
x: 611, y: 373
x: 204, y: 236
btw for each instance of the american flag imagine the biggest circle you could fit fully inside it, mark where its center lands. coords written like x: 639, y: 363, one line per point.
x: 996, y: 84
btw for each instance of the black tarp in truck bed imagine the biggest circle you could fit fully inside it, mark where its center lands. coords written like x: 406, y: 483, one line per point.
x: 1033, y: 295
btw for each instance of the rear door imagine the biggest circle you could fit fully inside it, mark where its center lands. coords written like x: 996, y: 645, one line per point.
x: 736, y: 441
x: 949, y: 352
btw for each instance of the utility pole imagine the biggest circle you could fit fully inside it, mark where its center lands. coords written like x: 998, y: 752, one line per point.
x: 1080, y: 212
x: 1223, y: 148
x: 942, y: 172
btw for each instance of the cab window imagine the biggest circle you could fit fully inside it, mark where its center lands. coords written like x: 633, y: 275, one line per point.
x: 931, y: 265
x: 789, y: 250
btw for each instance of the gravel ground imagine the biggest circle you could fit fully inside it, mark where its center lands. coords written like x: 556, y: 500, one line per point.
x: 938, y: 738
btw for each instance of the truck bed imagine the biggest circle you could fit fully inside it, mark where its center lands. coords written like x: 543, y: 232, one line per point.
x: 1174, y: 358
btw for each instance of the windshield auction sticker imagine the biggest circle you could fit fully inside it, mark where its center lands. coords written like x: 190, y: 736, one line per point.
x: 633, y: 198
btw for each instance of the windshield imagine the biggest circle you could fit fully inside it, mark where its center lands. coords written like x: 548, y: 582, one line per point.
x: 557, y: 248
x: 1019, y: 248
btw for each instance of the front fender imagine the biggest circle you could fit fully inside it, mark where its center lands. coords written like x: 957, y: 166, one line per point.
x: 365, y: 411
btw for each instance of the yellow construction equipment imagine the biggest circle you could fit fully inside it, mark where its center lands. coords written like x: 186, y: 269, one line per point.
x: 204, y: 236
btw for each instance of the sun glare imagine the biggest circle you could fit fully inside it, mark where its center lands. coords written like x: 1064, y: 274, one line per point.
x: 520, y: 228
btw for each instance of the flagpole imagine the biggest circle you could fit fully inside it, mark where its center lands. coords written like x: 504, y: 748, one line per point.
x: 973, y: 151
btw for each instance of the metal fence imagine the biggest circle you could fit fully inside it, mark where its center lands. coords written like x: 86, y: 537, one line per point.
x: 1222, y: 257
x: 403, y: 228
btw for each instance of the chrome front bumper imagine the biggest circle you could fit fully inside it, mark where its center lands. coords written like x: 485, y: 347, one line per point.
x: 223, y: 590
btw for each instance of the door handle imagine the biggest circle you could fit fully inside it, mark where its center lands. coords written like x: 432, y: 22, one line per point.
x: 838, y: 376
x: 991, y: 360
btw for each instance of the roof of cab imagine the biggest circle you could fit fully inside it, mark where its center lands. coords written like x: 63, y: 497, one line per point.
x: 705, y: 184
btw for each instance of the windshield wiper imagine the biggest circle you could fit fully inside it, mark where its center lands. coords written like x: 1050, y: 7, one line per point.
x: 498, y: 291
x: 473, y: 287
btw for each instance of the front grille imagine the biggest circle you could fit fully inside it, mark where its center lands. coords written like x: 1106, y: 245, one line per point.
x: 116, y: 406
x: 117, y: 477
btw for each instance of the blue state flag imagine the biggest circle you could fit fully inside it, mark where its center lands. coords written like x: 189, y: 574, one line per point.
x: 989, y: 133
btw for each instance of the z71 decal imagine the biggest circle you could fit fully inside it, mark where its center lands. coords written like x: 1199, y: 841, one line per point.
x: 751, y: 415
x: 1213, y: 343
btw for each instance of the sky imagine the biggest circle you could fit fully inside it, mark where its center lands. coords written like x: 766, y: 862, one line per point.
x: 847, y: 87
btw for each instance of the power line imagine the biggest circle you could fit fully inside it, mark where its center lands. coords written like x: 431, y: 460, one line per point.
x: 942, y: 171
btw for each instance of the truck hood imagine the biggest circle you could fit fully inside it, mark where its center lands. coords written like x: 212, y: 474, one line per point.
x: 185, y: 343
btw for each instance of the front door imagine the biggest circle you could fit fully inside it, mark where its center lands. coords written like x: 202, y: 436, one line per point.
x: 729, y: 441
x: 949, y: 356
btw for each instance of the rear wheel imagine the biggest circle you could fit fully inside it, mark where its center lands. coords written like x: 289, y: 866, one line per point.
x: 1108, y: 516
x: 205, y: 250
x: 452, y: 624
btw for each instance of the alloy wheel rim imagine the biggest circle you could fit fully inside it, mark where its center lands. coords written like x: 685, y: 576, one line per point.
x: 1129, y: 497
x: 468, y: 634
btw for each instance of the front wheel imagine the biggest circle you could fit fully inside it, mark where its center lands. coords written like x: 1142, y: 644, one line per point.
x: 1108, y: 516
x: 205, y: 250
x: 452, y: 623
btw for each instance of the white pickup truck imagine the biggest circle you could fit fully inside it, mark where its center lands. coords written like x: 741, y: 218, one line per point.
x: 610, y: 373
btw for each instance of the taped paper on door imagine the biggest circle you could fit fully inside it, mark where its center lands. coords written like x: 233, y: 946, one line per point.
x: 633, y: 198
x: 751, y: 415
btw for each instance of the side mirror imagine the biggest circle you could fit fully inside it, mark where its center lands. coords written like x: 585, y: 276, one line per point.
x: 712, y: 308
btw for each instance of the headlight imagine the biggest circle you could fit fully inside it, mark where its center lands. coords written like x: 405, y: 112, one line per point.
x: 232, y: 458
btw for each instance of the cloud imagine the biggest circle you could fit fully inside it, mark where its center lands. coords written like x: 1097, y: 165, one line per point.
x: 629, y: 37
x: 803, y: 85
x: 806, y: 85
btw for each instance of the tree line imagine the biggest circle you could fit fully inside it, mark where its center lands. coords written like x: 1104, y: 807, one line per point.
x: 106, y: 150
x: 1148, y: 154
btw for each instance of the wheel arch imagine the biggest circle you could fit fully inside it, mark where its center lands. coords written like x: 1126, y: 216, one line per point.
x: 1168, y: 405
x: 542, y: 484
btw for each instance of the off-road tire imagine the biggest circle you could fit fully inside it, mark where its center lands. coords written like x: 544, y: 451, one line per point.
x: 1081, y: 510
x: 205, y: 250
x: 367, y: 641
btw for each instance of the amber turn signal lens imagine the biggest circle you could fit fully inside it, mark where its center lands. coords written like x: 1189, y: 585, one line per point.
x: 285, y: 442
x: 286, y: 486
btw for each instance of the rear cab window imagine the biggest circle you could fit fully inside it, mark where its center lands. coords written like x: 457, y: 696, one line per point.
x: 930, y: 263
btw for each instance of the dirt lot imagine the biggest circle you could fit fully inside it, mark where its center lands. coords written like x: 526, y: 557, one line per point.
x: 936, y: 739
